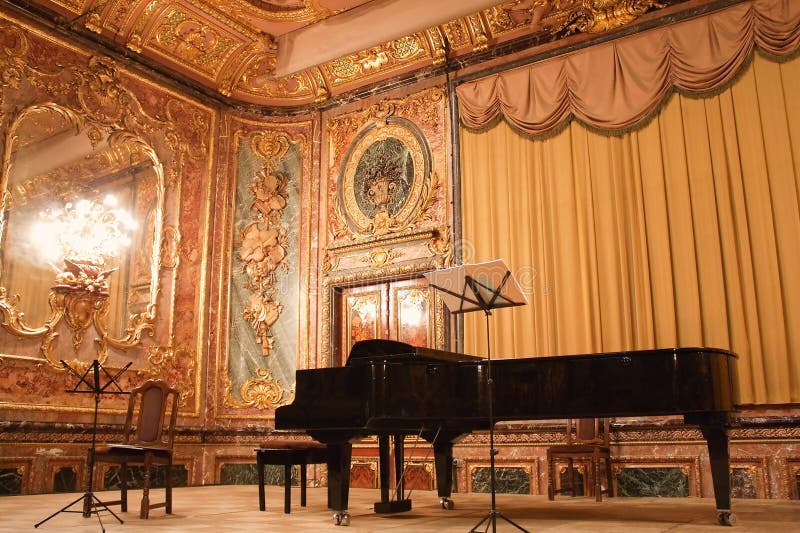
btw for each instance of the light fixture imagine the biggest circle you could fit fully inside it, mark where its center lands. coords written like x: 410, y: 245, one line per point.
x: 85, y: 235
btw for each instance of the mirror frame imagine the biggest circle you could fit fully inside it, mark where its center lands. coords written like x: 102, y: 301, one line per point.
x: 73, y: 308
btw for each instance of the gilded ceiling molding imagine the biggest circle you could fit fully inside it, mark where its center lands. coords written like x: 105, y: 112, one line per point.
x: 271, y: 11
x: 595, y: 16
x: 479, y: 32
x: 457, y: 34
x: 437, y: 41
x: 228, y: 45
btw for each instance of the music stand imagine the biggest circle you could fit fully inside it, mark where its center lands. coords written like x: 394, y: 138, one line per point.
x: 91, y: 503
x: 481, y: 287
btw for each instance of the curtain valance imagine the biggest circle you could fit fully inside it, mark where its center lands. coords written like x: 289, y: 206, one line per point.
x: 615, y: 85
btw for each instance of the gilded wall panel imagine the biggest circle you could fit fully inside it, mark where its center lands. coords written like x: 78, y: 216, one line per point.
x: 387, y: 197
x: 131, y: 121
x: 263, y: 332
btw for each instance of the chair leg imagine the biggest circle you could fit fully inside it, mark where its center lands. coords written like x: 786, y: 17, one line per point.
x: 144, y: 511
x: 168, y: 506
x: 608, y: 478
x: 287, y: 488
x: 303, y: 479
x: 262, y: 503
x: 598, y: 492
x: 123, y: 487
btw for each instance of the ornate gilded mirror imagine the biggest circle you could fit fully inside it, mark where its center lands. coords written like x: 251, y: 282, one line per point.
x: 69, y: 255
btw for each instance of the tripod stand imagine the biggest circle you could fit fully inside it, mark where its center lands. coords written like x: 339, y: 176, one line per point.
x: 489, y: 289
x: 91, y: 503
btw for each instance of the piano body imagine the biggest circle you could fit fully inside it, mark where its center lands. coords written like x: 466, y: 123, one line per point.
x: 391, y: 389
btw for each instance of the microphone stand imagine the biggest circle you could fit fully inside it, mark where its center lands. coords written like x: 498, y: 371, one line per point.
x: 91, y: 503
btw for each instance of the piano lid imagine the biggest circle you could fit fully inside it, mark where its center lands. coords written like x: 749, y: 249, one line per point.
x: 373, y: 350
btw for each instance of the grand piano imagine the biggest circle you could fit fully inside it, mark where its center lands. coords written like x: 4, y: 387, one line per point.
x: 391, y: 389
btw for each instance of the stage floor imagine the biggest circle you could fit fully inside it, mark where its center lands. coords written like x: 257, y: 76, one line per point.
x: 234, y: 508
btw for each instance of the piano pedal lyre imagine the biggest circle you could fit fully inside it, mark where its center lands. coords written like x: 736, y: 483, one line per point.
x: 447, y: 504
x: 341, y: 518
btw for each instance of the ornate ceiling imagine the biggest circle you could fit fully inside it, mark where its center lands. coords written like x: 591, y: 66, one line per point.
x: 300, y: 52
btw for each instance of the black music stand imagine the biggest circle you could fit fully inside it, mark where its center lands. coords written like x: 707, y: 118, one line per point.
x: 92, y: 385
x: 481, y: 287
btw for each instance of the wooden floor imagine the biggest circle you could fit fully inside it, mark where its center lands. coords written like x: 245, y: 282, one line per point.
x: 223, y: 509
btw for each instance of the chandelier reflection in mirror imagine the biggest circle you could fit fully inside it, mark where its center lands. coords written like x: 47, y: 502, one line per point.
x: 85, y: 280
x: 85, y: 235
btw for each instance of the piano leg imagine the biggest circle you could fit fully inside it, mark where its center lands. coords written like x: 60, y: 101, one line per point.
x: 443, y: 461
x: 383, y: 466
x: 715, y: 432
x: 400, y: 504
x: 339, y: 455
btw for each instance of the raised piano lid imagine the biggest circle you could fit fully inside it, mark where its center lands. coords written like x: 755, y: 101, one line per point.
x: 372, y: 350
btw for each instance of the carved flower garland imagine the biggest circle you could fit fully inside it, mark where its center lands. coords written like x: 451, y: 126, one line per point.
x: 264, y: 245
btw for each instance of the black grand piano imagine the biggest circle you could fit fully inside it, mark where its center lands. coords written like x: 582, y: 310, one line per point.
x: 391, y: 389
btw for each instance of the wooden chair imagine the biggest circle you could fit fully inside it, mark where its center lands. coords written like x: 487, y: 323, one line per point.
x: 288, y: 453
x: 147, y: 441
x: 587, y: 442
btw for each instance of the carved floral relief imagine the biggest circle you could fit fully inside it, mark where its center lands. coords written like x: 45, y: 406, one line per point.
x: 268, y: 164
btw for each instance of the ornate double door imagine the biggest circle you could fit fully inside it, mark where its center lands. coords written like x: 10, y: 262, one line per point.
x: 401, y: 310
x: 405, y: 311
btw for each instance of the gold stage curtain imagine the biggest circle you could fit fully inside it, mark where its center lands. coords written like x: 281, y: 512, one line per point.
x: 616, y: 85
x: 685, y: 232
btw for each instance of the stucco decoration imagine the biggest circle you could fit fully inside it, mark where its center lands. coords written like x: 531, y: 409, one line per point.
x: 264, y: 308
x: 387, y: 199
x: 35, y: 69
x: 386, y: 180
x: 234, y: 46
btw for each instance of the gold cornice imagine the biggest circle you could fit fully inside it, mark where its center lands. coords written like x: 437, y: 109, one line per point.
x: 385, y: 241
x: 246, y: 71
x: 312, y: 11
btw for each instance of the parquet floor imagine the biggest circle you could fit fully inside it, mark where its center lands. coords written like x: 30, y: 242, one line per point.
x: 228, y: 509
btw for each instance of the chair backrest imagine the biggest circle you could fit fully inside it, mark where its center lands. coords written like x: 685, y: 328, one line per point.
x: 588, y: 431
x: 152, y: 412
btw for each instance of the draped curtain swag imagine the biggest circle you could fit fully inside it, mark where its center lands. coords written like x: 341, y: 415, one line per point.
x: 615, y: 85
x: 684, y: 231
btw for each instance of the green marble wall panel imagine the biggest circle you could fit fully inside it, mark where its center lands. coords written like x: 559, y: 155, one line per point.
x: 648, y: 482
x: 65, y: 480
x: 247, y: 474
x: 247, y: 350
x: 10, y: 482
x: 742, y: 483
x: 508, y: 480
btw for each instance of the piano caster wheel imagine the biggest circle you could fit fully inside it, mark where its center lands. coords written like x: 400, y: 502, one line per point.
x: 726, y: 518
x: 341, y: 519
x: 447, y: 504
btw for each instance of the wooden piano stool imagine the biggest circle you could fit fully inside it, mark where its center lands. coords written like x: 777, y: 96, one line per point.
x: 288, y: 453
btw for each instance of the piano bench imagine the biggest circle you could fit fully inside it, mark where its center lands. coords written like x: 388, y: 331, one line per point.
x: 288, y: 453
